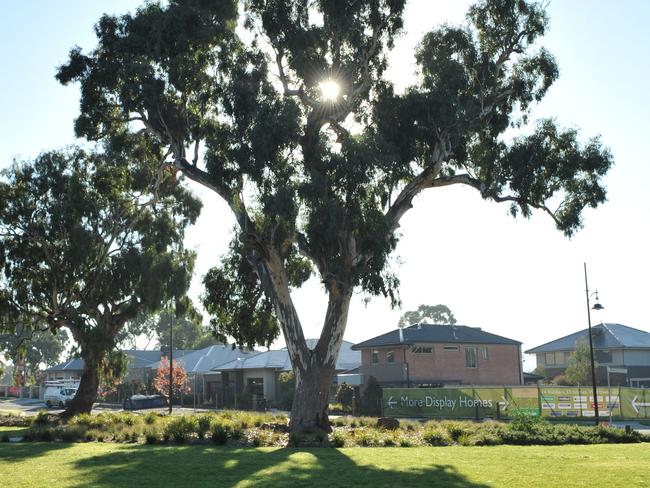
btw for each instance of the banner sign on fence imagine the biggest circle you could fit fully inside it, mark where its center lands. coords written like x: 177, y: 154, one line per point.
x: 490, y: 402
x: 458, y: 402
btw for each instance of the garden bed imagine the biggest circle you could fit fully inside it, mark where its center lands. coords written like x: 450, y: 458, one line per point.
x: 248, y: 429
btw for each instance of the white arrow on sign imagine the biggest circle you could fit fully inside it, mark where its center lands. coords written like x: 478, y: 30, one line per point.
x: 391, y: 403
x: 505, y: 403
x: 636, y: 405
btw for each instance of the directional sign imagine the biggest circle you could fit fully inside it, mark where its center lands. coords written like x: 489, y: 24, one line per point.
x: 636, y: 405
x: 391, y: 403
x: 616, y: 370
x: 482, y: 402
x: 504, y: 404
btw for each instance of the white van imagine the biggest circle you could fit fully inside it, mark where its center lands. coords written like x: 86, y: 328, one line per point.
x: 58, y: 396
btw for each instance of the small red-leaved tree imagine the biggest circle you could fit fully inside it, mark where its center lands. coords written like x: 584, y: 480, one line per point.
x: 179, y: 378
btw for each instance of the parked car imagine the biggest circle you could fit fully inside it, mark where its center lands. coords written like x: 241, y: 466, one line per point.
x: 144, y: 401
x: 58, y: 396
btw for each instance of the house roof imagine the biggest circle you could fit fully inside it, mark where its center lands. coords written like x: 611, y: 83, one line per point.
x: 279, y: 359
x: 76, y: 364
x: 605, y: 336
x: 208, y: 358
x: 447, y: 334
x: 137, y: 359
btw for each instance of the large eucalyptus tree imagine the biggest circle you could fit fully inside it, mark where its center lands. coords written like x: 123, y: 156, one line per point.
x: 297, y: 129
x: 85, y: 245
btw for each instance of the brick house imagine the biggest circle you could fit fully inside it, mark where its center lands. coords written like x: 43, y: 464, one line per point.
x: 436, y: 355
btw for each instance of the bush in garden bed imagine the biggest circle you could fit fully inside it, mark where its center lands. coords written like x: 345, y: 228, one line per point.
x: 265, y: 429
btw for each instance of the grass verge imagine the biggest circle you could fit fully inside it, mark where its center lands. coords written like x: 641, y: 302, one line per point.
x: 113, y: 465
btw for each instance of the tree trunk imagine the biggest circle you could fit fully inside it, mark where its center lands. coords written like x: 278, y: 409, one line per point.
x: 87, y: 392
x: 311, y: 399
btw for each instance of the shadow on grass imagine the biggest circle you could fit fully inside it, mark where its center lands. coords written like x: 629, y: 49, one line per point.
x: 195, y: 466
x: 19, y: 451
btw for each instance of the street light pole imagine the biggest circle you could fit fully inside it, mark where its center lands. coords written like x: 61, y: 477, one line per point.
x: 591, y: 351
x: 171, y: 361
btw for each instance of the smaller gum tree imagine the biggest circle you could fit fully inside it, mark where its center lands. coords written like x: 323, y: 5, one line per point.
x: 86, y: 245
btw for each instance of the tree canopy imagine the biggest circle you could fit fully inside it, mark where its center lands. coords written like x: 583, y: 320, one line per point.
x: 33, y: 348
x: 320, y: 181
x: 432, y: 314
x: 86, y: 245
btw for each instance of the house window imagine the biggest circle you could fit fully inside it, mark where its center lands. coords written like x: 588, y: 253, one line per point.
x: 390, y: 357
x: 604, y: 356
x: 484, y: 353
x: 375, y: 357
x: 470, y: 357
x: 450, y: 348
x: 423, y: 350
x: 549, y: 358
x: 559, y: 358
x: 256, y: 386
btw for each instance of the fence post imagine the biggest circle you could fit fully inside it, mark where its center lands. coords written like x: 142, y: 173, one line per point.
x: 620, y: 402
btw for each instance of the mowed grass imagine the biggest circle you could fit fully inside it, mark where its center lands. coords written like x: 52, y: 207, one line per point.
x: 113, y: 465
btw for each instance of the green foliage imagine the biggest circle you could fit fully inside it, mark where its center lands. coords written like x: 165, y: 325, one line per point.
x: 246, y: 429
x: 337, y: 439
x: 41, y: 419
x: 345, y: 395
x: 578, y: 371
x: 180, y: 428
x: 286, y: 388
x: 189, y: 332
x: 305, y: 192
x: 436, y: 436
x: 525, y: 421
x: 430, y: 314
x: 131, y: 258
x: 371, y: 397
x: 33, y: 348
x: 203, y: 425
x: 236, y: 303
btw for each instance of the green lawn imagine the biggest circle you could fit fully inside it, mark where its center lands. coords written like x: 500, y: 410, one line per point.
x: 113, y: 465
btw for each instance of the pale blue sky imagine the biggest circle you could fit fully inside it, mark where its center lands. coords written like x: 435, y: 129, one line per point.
x: 521, y: 279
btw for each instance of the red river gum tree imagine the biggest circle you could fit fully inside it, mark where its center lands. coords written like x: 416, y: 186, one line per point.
x: 282, y: 108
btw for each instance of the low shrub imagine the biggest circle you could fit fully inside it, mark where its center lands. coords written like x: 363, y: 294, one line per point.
x: 337, y: 438
x: 369, y: 438
x: 41, y: 419
x: 179, y: 429
x: 436, y: 436
x: 410, y: 425
x: 524, y: 421
x: 203, y: 425
x: 43, y: 434
x: 457, y: 429
x: 223, y: 430
x: 151, y: 418
x: 265, y: 438
x: 125, y: 418
x: 70, y: 433
x: 94, y: 435
x: 405, y: 441
x: 151, y: 434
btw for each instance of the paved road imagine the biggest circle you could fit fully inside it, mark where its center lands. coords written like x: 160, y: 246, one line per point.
x: 32, y: 407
